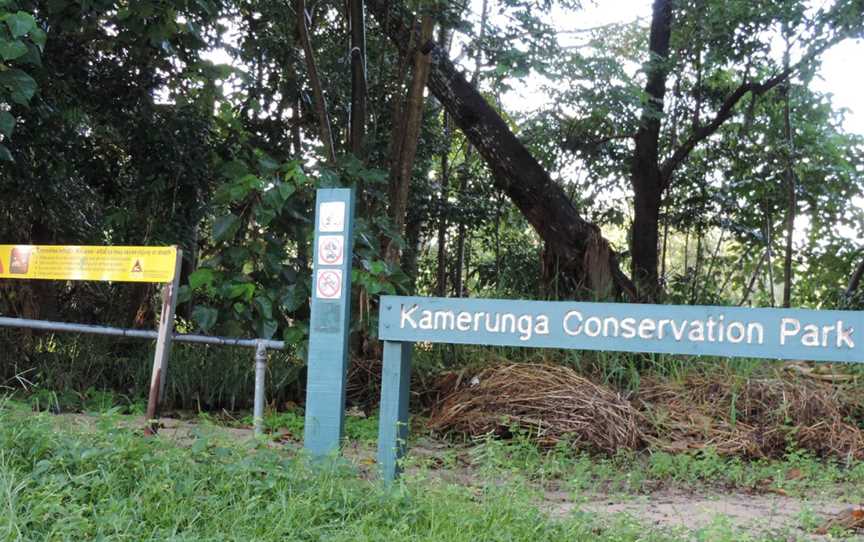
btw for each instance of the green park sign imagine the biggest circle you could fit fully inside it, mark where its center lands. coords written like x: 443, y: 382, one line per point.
x: 671, y: 329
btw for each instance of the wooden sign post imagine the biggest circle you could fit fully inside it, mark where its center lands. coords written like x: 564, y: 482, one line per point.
x: 329, y: 322
x: 158, y: 377
x: 690, y: 330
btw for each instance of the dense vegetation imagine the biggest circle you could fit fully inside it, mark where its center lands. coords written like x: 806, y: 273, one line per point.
x: 679, y: 159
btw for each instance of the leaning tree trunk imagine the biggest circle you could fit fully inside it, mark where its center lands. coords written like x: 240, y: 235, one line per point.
x: 579, y: 243
x: 324, y: 128
x: 410, y: 122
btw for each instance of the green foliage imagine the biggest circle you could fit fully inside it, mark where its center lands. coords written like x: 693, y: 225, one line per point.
x: 22, y: 42
x: 290, y: 424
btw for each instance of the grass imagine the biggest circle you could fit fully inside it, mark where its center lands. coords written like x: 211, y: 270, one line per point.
x: 361, y: 429
x: 797, y: 474
x: 109, y: 482
x: 113, y: 484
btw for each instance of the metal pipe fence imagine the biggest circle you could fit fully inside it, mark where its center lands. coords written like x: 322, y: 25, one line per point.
x: 260, y: 345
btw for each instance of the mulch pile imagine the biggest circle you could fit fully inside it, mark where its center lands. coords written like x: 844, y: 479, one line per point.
x: 551, y: 402
x: 755, y: 417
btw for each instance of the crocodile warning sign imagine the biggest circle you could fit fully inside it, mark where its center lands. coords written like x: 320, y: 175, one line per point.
x: 100, y: 263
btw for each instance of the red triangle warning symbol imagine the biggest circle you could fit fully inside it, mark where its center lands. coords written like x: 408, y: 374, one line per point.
x: 136, y: 268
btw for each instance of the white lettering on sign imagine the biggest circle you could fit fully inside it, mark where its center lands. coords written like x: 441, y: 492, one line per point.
x: 526, y: 325
x: 328, y: 284
x: 719, y: 331
x: 710, y: 330
x: 812, y: 335
x: 331, y: 216
x: 331, y: 249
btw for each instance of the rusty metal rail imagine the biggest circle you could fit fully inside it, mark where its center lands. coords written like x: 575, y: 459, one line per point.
x: 260, y: 345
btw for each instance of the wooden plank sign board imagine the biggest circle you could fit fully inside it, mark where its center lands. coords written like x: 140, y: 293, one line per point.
x: 95, y: 263
x: 329, y: 322
x: 795, y: 334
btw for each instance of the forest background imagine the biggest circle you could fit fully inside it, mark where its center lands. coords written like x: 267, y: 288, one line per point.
x: 682, y: 157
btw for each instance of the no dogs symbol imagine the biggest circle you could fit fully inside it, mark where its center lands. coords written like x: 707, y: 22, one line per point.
x: 331, y: 250
x: 328, y: 284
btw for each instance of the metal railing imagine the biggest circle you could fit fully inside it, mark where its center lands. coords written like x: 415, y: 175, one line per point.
x: 260, y: 345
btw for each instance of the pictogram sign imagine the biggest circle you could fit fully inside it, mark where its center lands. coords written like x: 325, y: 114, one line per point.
x: 328, y: 284
x: 331, y: 249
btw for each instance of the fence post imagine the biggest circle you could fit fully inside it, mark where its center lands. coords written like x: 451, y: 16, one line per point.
x: 260, y: 381
x: 393, y: 414
x: 163, y: 345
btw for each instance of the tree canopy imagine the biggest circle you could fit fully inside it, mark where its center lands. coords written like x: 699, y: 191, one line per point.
x: 685, y: 158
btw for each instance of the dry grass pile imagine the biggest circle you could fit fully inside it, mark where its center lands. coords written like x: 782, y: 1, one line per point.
x: 756, y: 417
x: 551, y: 402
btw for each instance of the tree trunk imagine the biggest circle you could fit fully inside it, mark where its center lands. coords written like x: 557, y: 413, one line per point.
x: 749, y: 289
x: 411, y: 122
x: 458, y: 273
x: 855, y: 280
x: 458, y: 282
x: 664, y: 250
x: 358, y: 77
x: 441, y: 284
x: 646, y: 177
x: 694, y: 283
x: 789, y: 177
x: 686, y: 250
x: 579, y: 243
x: 317, y: 91
x: 411, y: 253
x: 714, y: 256
x: 769, y: 236
x: 498, y: 205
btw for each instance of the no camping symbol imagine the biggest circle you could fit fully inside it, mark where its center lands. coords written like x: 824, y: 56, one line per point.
x: 328, y: 284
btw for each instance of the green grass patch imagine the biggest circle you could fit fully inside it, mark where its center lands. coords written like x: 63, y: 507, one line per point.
x: 111, y: 483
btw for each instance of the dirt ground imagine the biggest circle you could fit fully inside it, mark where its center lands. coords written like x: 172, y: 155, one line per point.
x: 762, y: 514
x: 753, y: 513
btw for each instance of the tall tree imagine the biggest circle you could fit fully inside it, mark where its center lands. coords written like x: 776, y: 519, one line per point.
x: 651, y: 175
x: 584, y: 253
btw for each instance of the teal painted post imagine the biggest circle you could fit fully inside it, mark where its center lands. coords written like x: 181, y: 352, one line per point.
x: 393, y: 414
x: 329, y: 321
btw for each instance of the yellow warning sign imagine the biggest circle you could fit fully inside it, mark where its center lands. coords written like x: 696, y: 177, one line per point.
x: 121, y: 264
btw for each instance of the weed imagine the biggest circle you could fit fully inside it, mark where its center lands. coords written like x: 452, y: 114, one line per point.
x: 290, y: 424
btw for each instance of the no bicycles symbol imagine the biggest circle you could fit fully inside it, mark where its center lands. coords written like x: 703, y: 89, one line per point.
x: 331, y: 249
x: 329, y: 284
